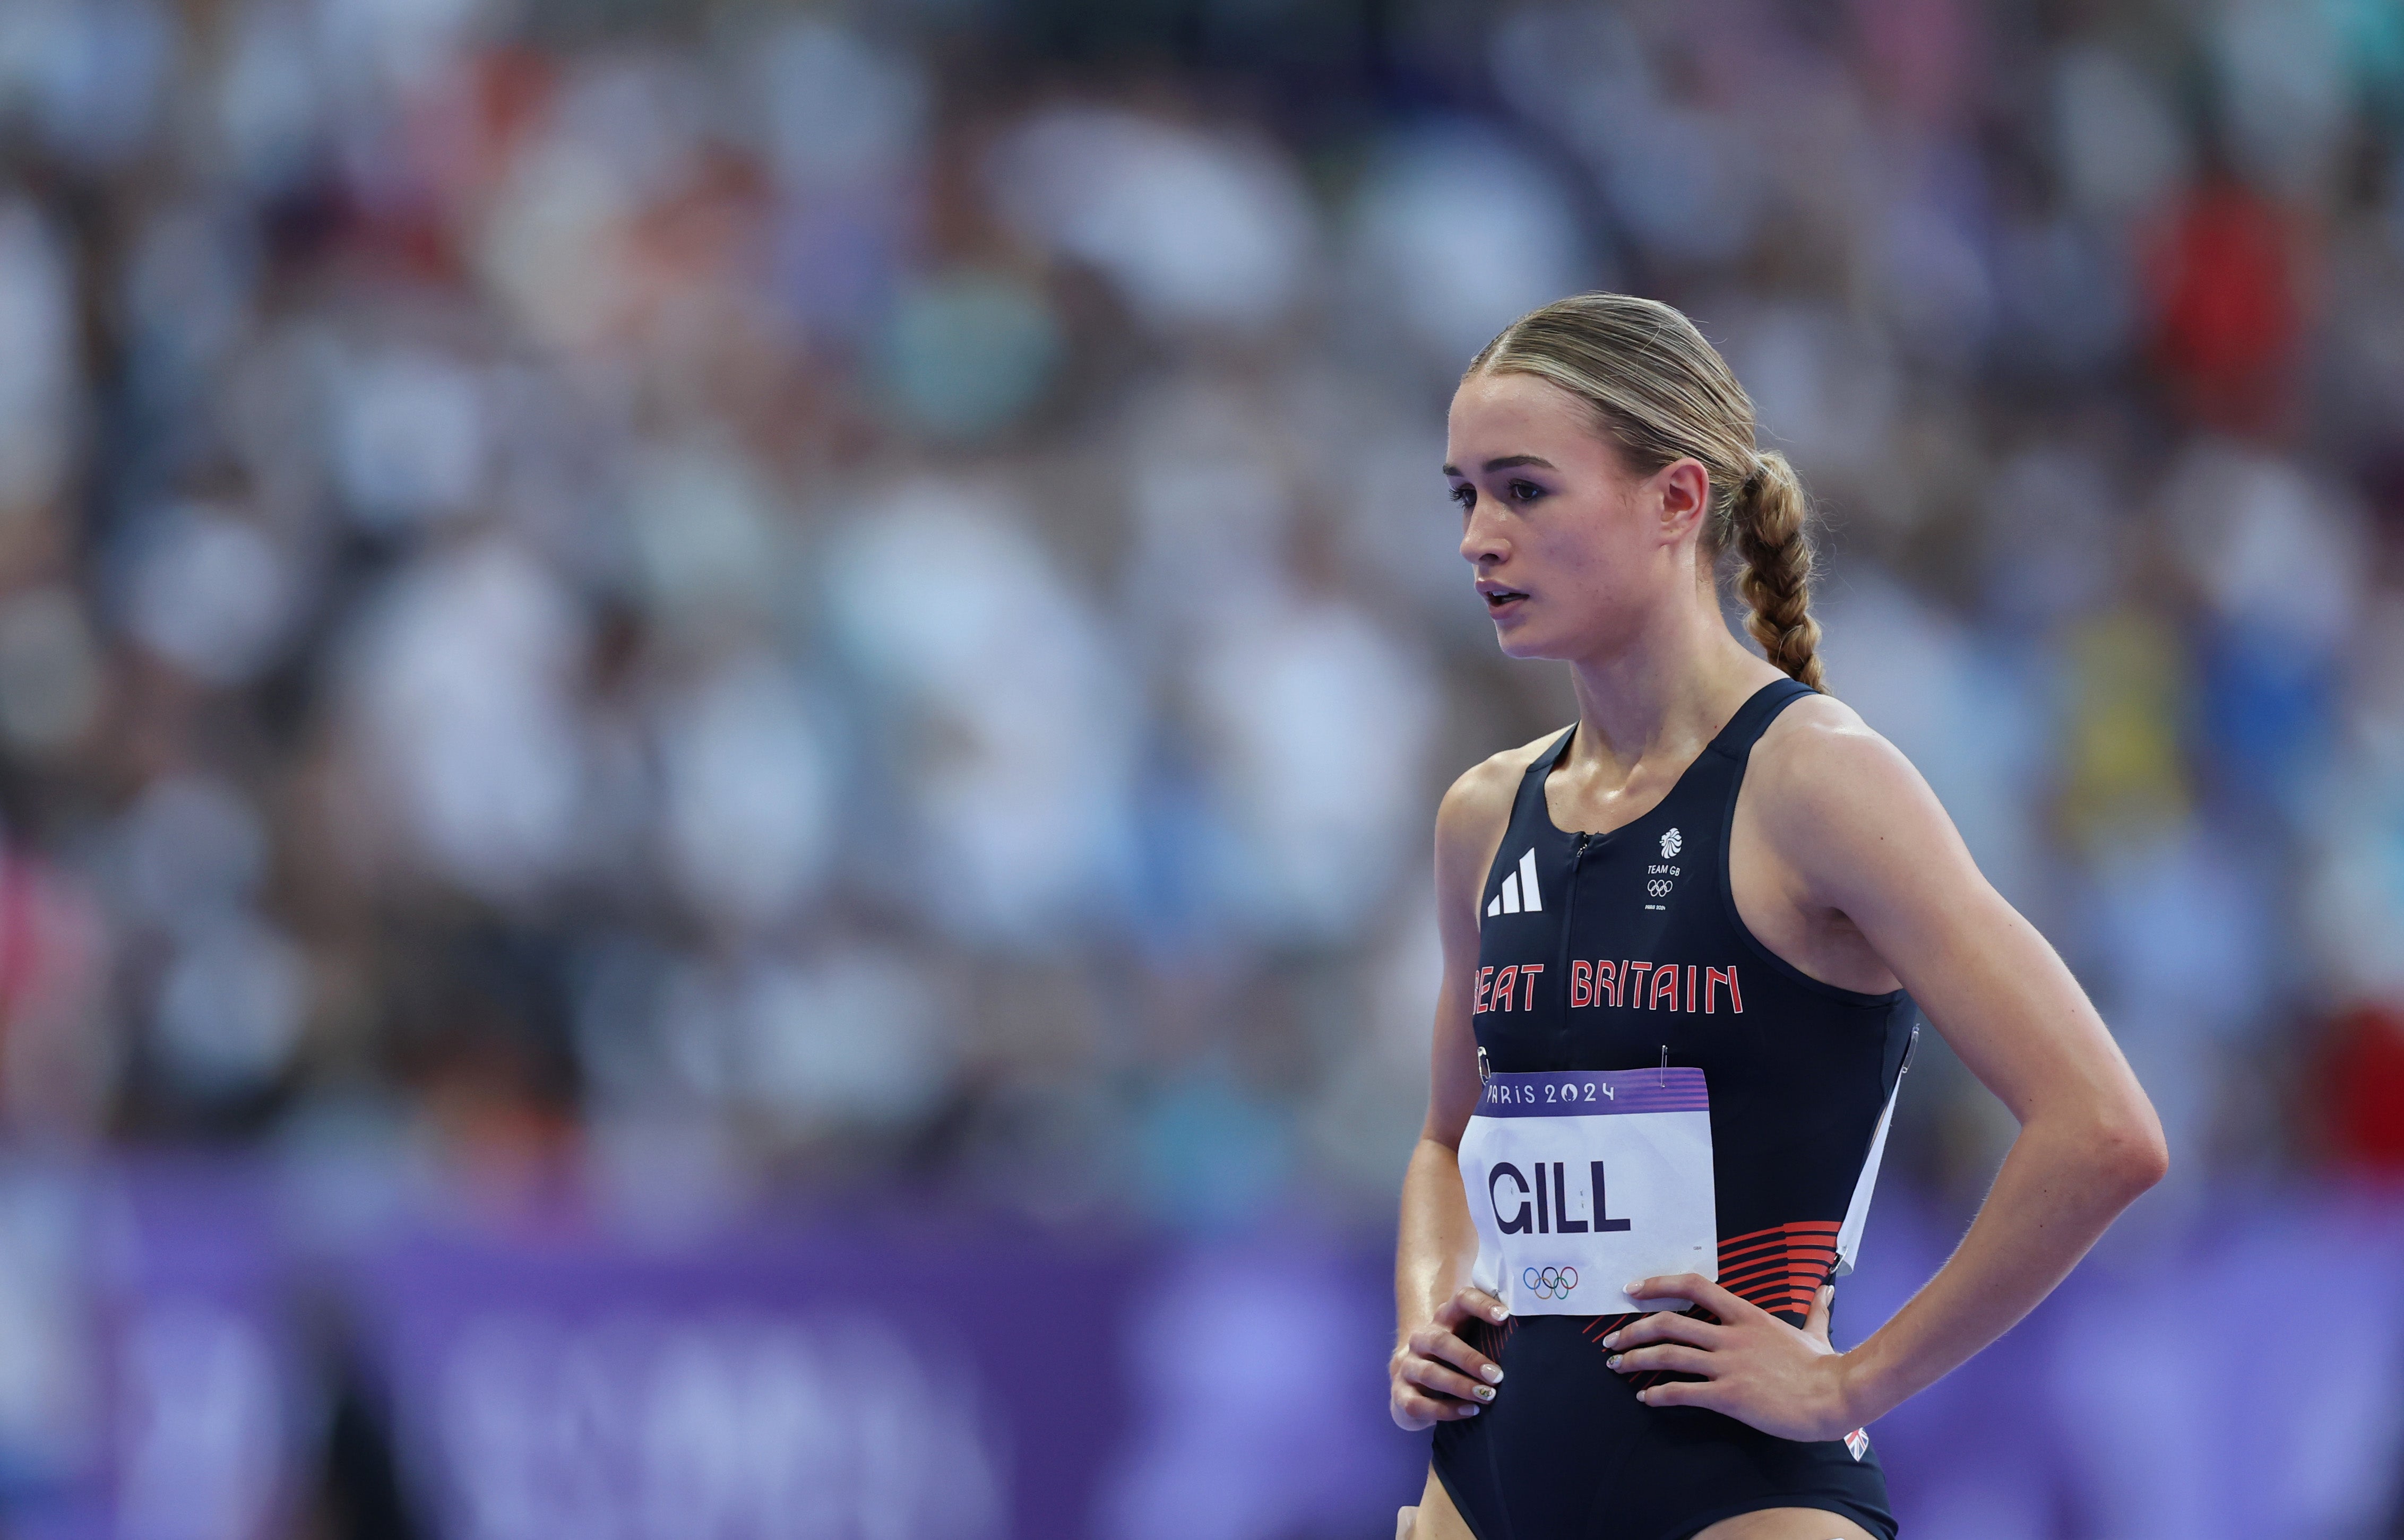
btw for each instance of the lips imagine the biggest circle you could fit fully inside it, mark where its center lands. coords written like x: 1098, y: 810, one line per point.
x: 1499, y: 599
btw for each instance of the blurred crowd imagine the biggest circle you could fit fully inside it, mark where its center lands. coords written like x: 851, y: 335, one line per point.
x: 618, y: 611
x: 610, y: 606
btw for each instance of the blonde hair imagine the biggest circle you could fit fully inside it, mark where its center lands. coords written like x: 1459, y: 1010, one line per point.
x: 1661, y: 393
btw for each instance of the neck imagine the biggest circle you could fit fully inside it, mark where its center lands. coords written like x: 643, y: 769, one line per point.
x: 1669, y: 690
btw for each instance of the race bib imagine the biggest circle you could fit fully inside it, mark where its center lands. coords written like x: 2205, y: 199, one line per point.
x: 1581, y: 1181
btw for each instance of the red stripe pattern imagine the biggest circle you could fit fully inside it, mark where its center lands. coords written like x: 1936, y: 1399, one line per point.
x: 1780, y: 1269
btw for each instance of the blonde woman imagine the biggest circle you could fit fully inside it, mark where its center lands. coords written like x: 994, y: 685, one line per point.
x: 1686, y: 942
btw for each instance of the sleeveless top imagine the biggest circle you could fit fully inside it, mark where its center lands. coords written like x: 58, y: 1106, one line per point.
x: 1623, y: 950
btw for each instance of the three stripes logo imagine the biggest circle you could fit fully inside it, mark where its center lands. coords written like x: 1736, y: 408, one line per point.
x: 1518, y: 894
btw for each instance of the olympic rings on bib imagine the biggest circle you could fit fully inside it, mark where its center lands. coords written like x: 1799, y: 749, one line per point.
x: 1549, y: 1282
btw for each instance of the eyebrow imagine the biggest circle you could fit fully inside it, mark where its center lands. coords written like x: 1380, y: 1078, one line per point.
x: 1507, y: 462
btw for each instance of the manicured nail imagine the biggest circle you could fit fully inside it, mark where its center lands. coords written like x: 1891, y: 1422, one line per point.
x: 1485, y: 1392
x: 1645, y: 1396
x: 1502, y: 1314
x: 1469, y: 1411
x: 1612, y: 1341
x: 1611, y: 1362
x: 1492, y: 1374
x: 1630, y: 1289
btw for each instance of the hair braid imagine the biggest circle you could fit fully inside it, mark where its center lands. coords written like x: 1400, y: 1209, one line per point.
x: 1772, y: 523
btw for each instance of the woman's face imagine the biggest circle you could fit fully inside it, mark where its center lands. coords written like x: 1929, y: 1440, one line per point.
x: 1572, y: 553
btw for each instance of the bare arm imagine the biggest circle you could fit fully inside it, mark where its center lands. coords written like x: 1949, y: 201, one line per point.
x: 1857, y: 833
x: 1437, y: 1376
x: 1871, y: 842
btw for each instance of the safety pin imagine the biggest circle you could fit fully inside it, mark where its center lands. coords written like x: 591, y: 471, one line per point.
x: 1485, y: 1070
x: 1663, y: 1078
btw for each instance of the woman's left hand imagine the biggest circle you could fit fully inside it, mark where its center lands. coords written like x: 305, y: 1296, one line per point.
x: 1755, y: 1367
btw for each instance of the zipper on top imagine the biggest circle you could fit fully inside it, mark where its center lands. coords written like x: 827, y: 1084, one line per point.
x: 1568, y: 921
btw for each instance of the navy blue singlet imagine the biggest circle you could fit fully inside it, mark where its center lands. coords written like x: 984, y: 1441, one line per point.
x: 1604, y: 952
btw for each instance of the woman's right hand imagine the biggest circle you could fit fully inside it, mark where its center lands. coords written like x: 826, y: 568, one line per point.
x: 1437, y: 1377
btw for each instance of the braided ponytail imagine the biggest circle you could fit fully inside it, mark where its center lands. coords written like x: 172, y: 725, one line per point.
x: 1661, y: 393
x: 1770, y: 518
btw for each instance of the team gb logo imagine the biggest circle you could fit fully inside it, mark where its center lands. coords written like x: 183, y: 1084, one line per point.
x: 1672, y: 843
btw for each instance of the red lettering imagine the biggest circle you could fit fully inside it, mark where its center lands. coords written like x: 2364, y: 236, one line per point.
x: 1712, y: 980
x: 1664, y: 982
x: 1608, y: 976
x: 1485, y: 982
x: 1527, y: 972
x: 1503, y: 987
x: 1630, y: 972
x: 1582, y: 984
x: 1690, y: 986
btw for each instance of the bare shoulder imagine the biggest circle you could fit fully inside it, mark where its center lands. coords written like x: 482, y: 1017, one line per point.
x: 1818, y: 743
x: 1469, y: 821
x: 1479, y: 800
x: 1831, y: 795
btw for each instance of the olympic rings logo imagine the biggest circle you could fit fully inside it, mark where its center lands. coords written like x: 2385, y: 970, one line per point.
x: 1550, y: 1282
x: 1659, y: 887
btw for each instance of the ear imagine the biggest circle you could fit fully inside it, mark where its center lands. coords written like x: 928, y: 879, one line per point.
x: 1682, y: 490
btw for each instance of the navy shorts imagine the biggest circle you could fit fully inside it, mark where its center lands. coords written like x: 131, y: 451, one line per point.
x: 1567, y: 1452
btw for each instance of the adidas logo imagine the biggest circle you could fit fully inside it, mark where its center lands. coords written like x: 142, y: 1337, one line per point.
x: 1518, y: 894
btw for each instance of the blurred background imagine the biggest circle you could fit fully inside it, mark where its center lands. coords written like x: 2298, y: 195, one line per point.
x: 719, y: 723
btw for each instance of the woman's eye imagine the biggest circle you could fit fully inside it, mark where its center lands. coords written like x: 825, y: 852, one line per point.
x: 1524, y: 492
x: 1465, y: 495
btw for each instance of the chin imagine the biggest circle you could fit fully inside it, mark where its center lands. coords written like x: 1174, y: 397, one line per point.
x: 1529, y: 639
x: 1524, y: 641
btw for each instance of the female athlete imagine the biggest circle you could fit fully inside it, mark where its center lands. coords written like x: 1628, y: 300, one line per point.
x: 1678, y: 940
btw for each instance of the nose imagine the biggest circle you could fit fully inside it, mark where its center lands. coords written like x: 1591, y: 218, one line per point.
x: 1481, y: 538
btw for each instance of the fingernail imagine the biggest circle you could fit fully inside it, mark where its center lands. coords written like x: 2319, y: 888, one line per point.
x: 1630, y: 1289
x: 1492, y: 1374
x: 1645, y: 1396
x: 1611, y: 1362
x: 1469, y: 1411
x: 1502, y: 1314
x: 1486, y: 1392
x: 1612, y: 1341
